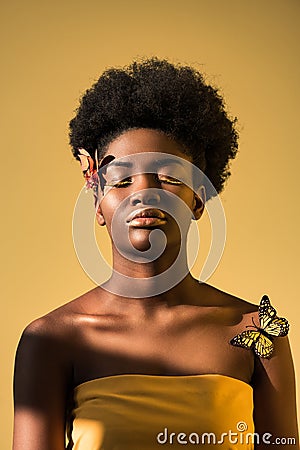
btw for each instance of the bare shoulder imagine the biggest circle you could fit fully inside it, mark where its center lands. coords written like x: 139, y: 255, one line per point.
x: 273, y: 378
x: 274, y: 392
x: 226, y: 299
x: 56, y: 332
x: 61, y: 321
x: 239, y: 309
x: 43, y: 378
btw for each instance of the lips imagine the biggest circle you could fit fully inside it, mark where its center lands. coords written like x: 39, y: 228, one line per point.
x: 146, y: 213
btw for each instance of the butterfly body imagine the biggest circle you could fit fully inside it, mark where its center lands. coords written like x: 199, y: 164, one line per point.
x: 260, y: 339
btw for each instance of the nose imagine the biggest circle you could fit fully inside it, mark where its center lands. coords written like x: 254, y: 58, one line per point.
x: 145, y: 197
x: 148, y: 193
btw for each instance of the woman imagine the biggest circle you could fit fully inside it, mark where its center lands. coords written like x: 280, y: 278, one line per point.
x: 143, y: 361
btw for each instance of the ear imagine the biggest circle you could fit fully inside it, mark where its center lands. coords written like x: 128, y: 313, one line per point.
x: 99, y: 215
x: 199, y: 203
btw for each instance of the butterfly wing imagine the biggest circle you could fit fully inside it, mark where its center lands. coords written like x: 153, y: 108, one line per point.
x: 269, y: 322
x: 266, y: 312
x: 263, y: 347
x: 278, y: 327
x: 260, y: 339
x: 246, y: 339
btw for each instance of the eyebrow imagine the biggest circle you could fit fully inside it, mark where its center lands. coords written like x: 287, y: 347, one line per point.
x: 158, y: 163
x: 116, y: 163
x: 164, y: 162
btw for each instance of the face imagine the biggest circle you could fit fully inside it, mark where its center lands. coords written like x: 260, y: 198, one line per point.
x: 144, y: 190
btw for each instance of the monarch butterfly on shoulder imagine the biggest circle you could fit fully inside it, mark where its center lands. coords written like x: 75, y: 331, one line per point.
x: 260, y: 339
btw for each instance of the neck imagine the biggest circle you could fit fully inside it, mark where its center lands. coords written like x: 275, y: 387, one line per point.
x: 146, y: 296
x: 158, y: 278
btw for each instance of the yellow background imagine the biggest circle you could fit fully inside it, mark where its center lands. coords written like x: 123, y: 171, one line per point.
x: 53, y: 51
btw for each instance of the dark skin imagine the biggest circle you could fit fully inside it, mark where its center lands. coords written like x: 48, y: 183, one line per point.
x: 183, y: 331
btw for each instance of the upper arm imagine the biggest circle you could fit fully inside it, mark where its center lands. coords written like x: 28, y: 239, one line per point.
x: 275, y: 396
x: 40, y: 388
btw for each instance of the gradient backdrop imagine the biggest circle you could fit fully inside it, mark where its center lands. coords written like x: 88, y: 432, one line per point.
x: 53, y: 51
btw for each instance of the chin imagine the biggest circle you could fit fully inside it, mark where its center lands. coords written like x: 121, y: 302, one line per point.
x: 139, y: 238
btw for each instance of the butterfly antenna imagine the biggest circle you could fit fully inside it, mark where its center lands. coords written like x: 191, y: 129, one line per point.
x: 252, y: 326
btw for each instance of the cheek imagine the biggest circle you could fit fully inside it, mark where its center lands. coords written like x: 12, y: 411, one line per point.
x: 113, y: 212
x: 109, y: 204
x: 187, y: 196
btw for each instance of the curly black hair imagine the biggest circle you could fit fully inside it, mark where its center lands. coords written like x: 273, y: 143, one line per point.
x: 156, y: 94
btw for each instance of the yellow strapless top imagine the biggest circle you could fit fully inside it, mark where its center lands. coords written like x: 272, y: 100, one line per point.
x: 146, y: 412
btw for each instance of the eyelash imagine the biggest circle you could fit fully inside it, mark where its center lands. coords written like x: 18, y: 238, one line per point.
x: 126, y: 182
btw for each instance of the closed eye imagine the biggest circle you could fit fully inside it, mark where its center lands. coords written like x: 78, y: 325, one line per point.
x: 120, y: 184
x: 168, y: 180
x: 158, y: 177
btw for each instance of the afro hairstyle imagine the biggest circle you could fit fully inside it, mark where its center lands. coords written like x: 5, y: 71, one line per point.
x: 156, y: 94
